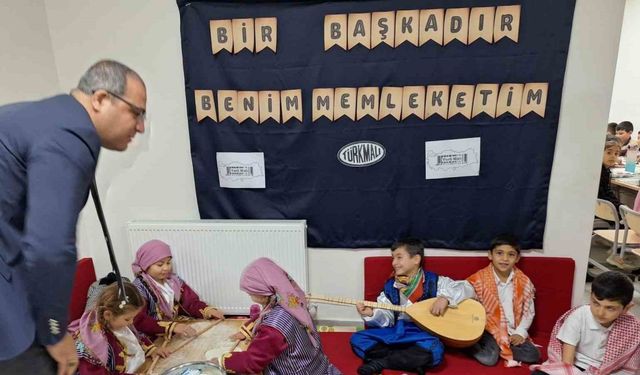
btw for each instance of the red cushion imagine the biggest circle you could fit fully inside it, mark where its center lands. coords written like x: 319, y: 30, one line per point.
x: 85, y: 276
x: 552, y: 277
x: 336, y: 346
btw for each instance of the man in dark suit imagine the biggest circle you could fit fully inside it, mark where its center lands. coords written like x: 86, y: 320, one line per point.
x: 48, y: 155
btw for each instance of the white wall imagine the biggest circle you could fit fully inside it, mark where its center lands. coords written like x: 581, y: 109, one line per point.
x: 626, y: 95
x: 27, y: 68
x: 159, y: 185
x: 154, y: 179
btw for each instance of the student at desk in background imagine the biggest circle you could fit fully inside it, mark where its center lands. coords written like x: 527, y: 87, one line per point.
x: 609, y: 158
x: 611, y: 128
x: 624, y: 132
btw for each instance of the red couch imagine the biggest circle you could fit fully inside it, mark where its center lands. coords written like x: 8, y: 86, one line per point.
x: 84, y: 277
x: 552, y: 277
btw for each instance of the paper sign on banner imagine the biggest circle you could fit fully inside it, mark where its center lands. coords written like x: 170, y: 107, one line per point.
x: 452, y: 158
x: 241, y: 170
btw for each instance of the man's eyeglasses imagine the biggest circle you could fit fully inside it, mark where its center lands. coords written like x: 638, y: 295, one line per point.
x: 140, y: 113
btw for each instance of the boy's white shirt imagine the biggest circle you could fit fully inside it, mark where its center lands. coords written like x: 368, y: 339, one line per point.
x: 581, y: 330
x: 132, y: 349
x: 505, y: 294
x: 454, y: 291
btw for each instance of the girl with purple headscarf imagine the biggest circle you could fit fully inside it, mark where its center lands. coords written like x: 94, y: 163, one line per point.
x: 106, y: 341
x: 168, y: 298
x: 283, y: 338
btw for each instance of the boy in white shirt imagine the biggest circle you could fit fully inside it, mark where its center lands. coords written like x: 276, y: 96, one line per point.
x: 507, y: 295
x: 599, y: 338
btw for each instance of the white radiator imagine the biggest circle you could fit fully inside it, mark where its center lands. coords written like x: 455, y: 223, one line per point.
x: 211, y: 254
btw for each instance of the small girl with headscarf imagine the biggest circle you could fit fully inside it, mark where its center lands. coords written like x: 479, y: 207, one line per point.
x: 284, y: 339
x: 169, y: 299
x: 106, y: 341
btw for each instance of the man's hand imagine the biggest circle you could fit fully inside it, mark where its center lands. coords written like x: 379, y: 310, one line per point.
x: 364, y: 310
x: 64, y: 353
x: 439, y: 306
x: 516, y: 340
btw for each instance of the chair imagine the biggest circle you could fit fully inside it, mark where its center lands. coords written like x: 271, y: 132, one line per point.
x: 631, y: 230
x: 605, y: 210
x: 84, y: 277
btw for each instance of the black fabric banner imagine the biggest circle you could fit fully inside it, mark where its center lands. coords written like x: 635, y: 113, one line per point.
x: 371, y: 206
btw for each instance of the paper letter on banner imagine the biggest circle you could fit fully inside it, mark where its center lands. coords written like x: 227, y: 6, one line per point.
x: 391, y: 102
x: 509, y: 99
x: 413, y: 101
x: 461, y: 100
x: 247, y: 106
x: 485, y: 99
x: 243, y: 34
x: 269, y: 105
x: 291, y: 102
x: 359, y: 30
x: 456, y: 25
x: 382, y: 28
x: 481, y: 24
x: 507, y: 22
x: 241, y: 170
x: 227, y: 104
x: 534, y: 98
x: 431, y: 25
x: 335, y: 31
x: 221, y: 36
x: 437, y: 101
x: 407, y: 26
x: 204, y: 105
x: 367, y: 102
x: 322, y: 104
x: 344, y: 103
x: 266, y: 33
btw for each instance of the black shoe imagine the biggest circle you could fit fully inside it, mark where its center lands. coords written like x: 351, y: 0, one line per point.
x: 371, y: 368
x: 378, y: 351
x: 413, y: 358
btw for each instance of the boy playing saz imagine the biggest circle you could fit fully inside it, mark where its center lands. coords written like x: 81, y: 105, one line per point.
x: 397, y: 343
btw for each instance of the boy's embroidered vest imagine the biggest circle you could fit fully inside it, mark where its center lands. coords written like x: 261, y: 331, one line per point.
x: 429, y: 289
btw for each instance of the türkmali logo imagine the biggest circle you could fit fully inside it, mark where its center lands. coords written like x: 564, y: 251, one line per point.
x: 361, y: 154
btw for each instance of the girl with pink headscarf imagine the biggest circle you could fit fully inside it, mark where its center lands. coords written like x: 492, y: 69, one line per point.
x: 283, y: 338
x: 168, y: 298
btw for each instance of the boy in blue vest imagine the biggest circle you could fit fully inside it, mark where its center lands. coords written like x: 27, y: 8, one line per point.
x: 393, y: 340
